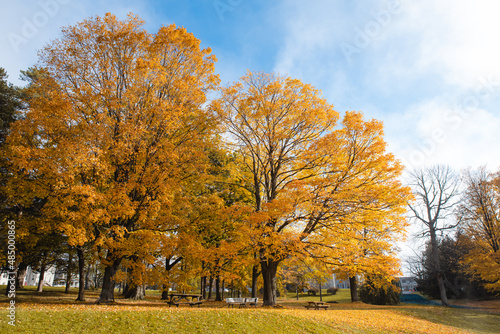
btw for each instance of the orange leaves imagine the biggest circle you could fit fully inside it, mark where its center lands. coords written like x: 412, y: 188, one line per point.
x: 480, y: 213
x: 119, y: 143
x: 330, y: 193
x: 114, y: 132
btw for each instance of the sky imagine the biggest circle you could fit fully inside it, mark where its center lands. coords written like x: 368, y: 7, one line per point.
x: 428, y: 69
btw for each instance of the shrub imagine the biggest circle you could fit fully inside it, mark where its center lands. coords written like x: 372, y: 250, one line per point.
x: 312, y: 291
x: 388, y: 294
x: 332, y: 291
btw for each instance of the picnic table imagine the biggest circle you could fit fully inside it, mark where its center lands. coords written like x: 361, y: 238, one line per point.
x: 316, y: 305
x: 184, y: 299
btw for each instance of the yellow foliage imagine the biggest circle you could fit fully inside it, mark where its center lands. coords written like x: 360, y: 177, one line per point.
x: 115, y: 127
x: 326, y: 192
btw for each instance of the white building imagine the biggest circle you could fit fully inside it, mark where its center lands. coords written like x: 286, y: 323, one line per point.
x: 31, y: 278
x: 60, y: 279
x: 408, y: 284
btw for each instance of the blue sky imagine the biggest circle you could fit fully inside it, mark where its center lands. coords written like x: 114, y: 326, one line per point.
x: 428, y: 69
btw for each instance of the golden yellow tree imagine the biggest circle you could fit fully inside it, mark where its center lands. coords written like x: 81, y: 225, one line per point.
x: 116, y: 128
x: 358, y: 205
x: 308, y: 176
x: 273, y: 122
x: 480, y: 210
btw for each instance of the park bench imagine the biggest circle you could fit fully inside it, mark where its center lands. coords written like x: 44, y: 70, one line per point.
x: 251, y: 301
x: 236, y: 301
x: 242, y: 302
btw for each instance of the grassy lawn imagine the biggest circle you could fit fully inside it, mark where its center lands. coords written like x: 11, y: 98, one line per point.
x: 53, y: 311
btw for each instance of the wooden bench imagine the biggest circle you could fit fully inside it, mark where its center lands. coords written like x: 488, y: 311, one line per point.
x: 199, y: 302
x: 186, y: 303
x: 184, y: 299
x: 170, y: 303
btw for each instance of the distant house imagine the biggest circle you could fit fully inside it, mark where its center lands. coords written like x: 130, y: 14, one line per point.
x: 60, y: 279
x: 408, y: 284
x: 3, y: 278
x: 32, y: 276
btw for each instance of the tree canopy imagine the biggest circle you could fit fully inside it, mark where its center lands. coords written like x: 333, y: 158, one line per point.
x: 310, y: 178
x: 116, y: 127
x: 125, y: 155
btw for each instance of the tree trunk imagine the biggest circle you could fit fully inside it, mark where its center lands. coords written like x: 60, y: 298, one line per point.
x: 68, y: 272
x: 442, y: 289
x: 218, y: 297
x: 203, y: 282
x: 108, y: 285
x: 437, y: 267
x: 126, y: 290
x: 164, y: 293
x: 353, y: 284
x: 40, y: 280
x: 96, y: 278
x: 211, y: 284
x: 255, y: 276
x: 320, y: 293
x: 127, y: 287
x: 81, y: 274
x: 21, y: 274
x: 223, y: 288
x: 87, y: 277
x: 137, y: 292
x: 453, y: 287
x: 168, y: 267
x: 11, y: 283
x: 269, y: 269
x: 7, y: 287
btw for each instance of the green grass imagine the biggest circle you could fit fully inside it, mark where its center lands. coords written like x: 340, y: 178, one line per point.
x: 466, y: 319
x: 342, y: 296
x: 53, y: 311
x: 167, y: 321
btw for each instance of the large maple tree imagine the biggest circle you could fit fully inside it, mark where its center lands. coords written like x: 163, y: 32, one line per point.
x: 116, y: 127
x: 309, y: 175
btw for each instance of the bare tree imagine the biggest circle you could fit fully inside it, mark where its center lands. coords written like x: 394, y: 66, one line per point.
x: 435, y: 189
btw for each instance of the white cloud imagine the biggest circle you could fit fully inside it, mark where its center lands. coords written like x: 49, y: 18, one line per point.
x: 423, y: 56
x: 457, y: 39
x: 427, y: 61
x: 444, y: 132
